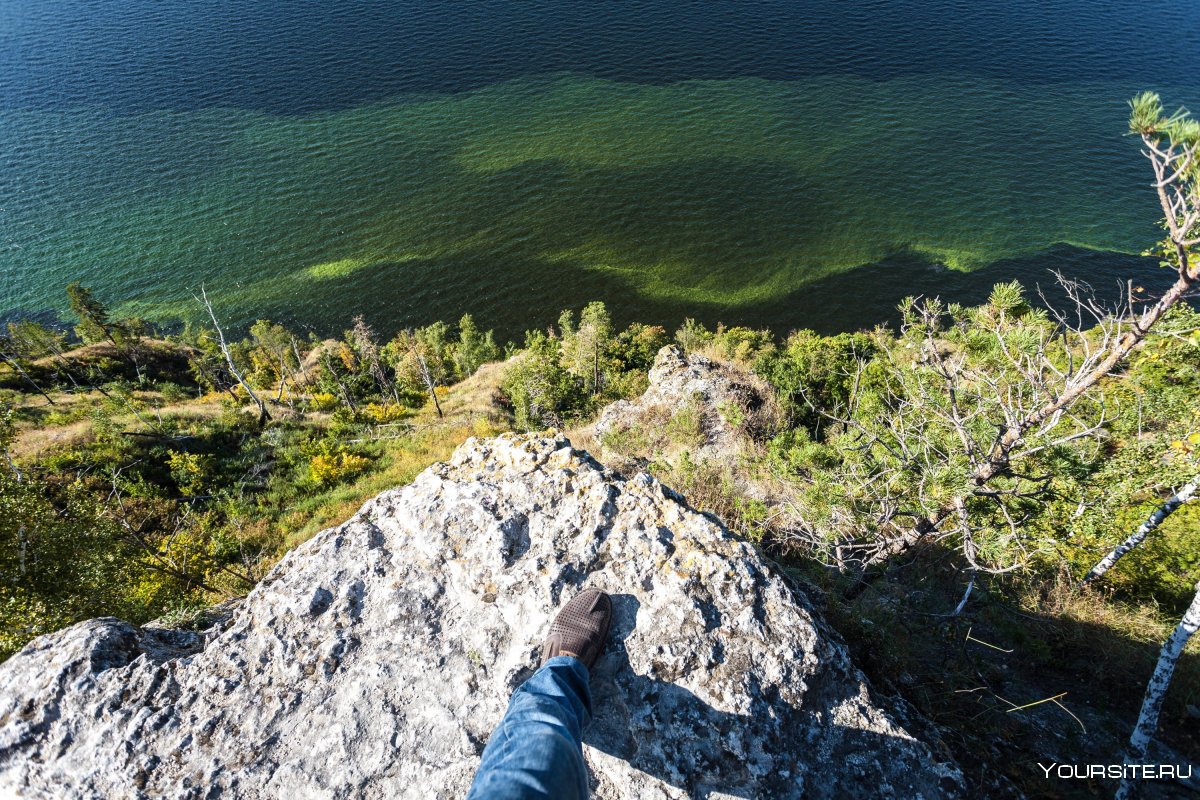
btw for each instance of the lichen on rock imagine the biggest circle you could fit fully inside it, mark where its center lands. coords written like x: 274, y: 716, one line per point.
x: 375, y: 659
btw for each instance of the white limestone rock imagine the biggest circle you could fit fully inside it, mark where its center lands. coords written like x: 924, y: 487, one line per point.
x: 374, y: 661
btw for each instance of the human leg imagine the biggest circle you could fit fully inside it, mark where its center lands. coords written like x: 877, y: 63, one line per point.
x: 537, y: 749
x: 536, y: 752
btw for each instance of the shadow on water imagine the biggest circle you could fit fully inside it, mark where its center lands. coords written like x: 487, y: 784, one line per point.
x: 526, y: 294
x: 868, y: 295
x: 674, y: 736
x: 718, y: 239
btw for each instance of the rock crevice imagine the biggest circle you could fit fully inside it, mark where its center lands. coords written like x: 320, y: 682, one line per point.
x: 376, y: 658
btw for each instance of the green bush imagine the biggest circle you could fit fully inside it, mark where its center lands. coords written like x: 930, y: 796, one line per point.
x: 794, y: 454
x: 62, y: 559
x: 741, y: 345
x: 692, y: 336
x: 635, y: 347
x: 814, y: 374
x: 541, y: 391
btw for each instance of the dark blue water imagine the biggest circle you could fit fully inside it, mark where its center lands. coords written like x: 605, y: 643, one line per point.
x: 759, y: 162
x: 300, y: 57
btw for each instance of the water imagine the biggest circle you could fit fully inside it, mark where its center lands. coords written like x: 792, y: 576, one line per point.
x: 755, y: 162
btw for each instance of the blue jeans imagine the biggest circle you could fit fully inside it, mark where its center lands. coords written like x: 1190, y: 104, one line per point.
x: 536, y: 752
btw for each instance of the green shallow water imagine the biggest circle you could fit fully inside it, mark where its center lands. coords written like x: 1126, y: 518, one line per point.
x: 721, y: 196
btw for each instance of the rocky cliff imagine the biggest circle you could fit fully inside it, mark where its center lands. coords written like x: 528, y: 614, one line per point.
x: 726, y: 408
x: 375, y: 659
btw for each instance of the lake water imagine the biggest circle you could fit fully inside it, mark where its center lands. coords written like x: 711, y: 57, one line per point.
x: 758, y: 162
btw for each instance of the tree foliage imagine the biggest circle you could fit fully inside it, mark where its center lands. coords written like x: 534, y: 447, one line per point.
x: 543, y: 393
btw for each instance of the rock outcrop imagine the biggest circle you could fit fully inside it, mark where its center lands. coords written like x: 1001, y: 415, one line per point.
x: 374, y: 661
x: 694, y: 403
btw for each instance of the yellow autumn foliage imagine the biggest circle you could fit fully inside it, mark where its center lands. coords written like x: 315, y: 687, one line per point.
x: 327, y: 469
x: 385, y: 412
x: 322, y: 401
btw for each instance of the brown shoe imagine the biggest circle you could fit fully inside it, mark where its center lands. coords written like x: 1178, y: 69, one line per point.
x: 580, y: 628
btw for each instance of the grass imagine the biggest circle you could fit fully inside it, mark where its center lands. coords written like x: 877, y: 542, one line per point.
x: 397, y: 465
x: 44, y: 428
x: 470, y: 408
x: 1131, y: 632
x: 686, y: 426
x: 288, y: 517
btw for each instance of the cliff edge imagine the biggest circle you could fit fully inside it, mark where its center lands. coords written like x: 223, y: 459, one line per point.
x: 376, y: 658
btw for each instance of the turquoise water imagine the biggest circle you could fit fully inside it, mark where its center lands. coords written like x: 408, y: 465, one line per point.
x: 414, y: 162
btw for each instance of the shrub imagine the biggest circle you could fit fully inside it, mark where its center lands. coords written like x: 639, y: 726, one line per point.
x: 380, y: 413
x: 330, y: 468
x: 190, y: 471
x: 692, y: 335
x: 636, y: 346
x: 627, y: 441
x: 741, y: 345
x: 815, y: 373
x: 171, y: 392
x: 793, y: 453
x: 731, y: 413
x: 343, y: 423
x: 540, y: 389
x: 707, y: 486
x: 61, y: 559
x: 474, y: 347
x: 66, y: 416
x: 627, y: 385
x: 322, y: 401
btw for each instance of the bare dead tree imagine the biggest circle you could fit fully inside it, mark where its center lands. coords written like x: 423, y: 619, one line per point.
x: 1156, y: 692
x: 427, y: 377
x: 284, y: 375
x: 8, y: 432
x: 368, y: 350
x: 263, y: 414
x: 328, y: 365
x: 198, y: 366
x: 300, y: 365
x: 1145, y: 529
x: 12, y: 362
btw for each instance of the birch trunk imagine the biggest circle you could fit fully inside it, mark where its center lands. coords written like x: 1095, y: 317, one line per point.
x: 263, y: 416
x: 1156, y: 691
x: 1145, y: 529
x: 430, y: 383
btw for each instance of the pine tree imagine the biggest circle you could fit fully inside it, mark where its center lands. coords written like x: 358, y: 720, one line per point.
x: 94, y: 324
